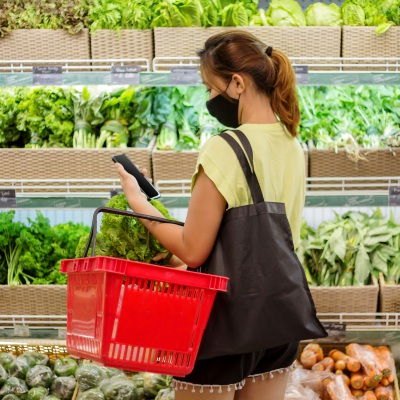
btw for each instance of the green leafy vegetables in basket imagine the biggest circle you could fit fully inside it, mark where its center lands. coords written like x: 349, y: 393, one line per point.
x: 31, y: 253
x: 124, y: 237
x: 351, y: 249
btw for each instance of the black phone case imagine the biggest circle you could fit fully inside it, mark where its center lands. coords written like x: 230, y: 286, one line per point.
x: 147, y: 188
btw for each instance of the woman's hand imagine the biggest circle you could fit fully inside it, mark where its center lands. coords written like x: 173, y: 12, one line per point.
x: 173, y: 262
x: 129, y: 183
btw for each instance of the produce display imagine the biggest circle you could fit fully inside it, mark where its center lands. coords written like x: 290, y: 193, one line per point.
x: 125, y: 117
x: 359, y: 371
x: 353, y: 118
x: 350, y: 117
x: 33, y: 376
x: 74, y: 15
x: 31, y: 253
x: 351, y: 249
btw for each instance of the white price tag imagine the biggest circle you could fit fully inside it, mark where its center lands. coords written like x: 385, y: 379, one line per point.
x: 21, y: 331
x: 62, y: 333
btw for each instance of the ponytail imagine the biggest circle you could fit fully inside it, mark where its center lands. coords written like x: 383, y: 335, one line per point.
x: 283, y: 96
x: 236, y: 51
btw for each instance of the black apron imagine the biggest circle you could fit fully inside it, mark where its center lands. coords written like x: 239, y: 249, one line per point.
x: 268, y: 302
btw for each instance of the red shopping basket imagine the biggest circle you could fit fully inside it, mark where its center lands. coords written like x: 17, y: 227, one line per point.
x: 136, y: 316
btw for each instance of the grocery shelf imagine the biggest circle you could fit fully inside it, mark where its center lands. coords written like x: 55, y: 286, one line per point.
x: 319, y: 71
x: 91, y: 193
x: 353, y: 326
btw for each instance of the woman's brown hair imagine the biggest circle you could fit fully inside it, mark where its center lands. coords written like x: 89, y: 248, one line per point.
x: 236, y: 51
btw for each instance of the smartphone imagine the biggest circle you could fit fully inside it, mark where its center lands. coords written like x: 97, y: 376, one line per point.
x: 145, y: 185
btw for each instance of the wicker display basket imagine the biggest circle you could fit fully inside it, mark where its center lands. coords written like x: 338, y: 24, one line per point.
x: 44, y: 44
x: 346, y: 299
x: 375, y: 163
x: 126, y: 43
x: 33, y: 300
x: 363, y: 42
x: 294, y: 41
x: 389, y: 296
x: 169, y: 165
x: 67, y: 164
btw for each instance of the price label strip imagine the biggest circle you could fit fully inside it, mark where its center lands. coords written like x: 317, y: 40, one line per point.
x: 394, y: 196
x: 47, y: 75
x: 301, y: 72
x: 336, y: 331
x: 125, y: 74
x: 8, y: 198
x: 21, y: 331
x: 62, y: 333
x: 185, y: 75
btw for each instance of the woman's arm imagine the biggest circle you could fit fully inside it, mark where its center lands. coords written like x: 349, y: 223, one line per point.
x: 193, y: 242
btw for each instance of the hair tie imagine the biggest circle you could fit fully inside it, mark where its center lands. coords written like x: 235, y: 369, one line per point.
x: 268, y: 52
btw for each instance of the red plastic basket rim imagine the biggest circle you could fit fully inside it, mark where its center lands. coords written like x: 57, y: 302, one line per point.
x: 143, y: 270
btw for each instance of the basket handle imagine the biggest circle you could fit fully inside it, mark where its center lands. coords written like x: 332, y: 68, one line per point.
x: 93, y: 229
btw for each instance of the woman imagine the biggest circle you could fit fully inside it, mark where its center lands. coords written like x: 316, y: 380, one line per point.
x: 251, y: 86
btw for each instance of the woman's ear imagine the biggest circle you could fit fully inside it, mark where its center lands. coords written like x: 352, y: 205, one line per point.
x: 238, y: 84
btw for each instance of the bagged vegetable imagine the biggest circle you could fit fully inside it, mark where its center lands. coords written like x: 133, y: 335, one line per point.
x: 10, y: 397
x: 166, y: 394
x: 19, y: 368
x: 39, y: 375
x: 65, y: 366
x: 37, y: 393
x: 6, y: 360
x: 91, y: 394
x: 110, y: 372
x: 118, y: 388
x: 15, y: 386
x: 138, y: 380
x: 3, y: 375
x: 153, y: 383
x: 337, y: 389
x: 63, y: 387
x: 50, y: 397
x: 34, y: 358
x: 89, y: 376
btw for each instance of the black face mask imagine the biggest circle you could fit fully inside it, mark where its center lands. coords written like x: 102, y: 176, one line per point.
x: 224, y: 110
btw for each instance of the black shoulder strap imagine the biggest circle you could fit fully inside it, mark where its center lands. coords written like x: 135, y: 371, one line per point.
x: 248, y: 169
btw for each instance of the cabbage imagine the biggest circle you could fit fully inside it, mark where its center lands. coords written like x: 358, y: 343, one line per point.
x: 391, y: 9
x: 320, y: 14
x: 285, y: 13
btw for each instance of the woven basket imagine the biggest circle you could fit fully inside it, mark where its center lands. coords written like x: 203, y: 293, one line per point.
x: 45, y: 44
x: 389, y: 296
x: 362, y: 41
x: 180, y: 165
x: 33, y: 300
x: 126, y: 43
x: 346, y: 299
x: 173, y: 165
x: 293, y: 41
x: 68, y: 163
x: 378, y: 162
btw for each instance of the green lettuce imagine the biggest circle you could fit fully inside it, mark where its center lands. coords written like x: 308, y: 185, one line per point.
x: 365, y: 13
x: 320, y: 14
x: 285, y: 13
x: 178, y: 13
